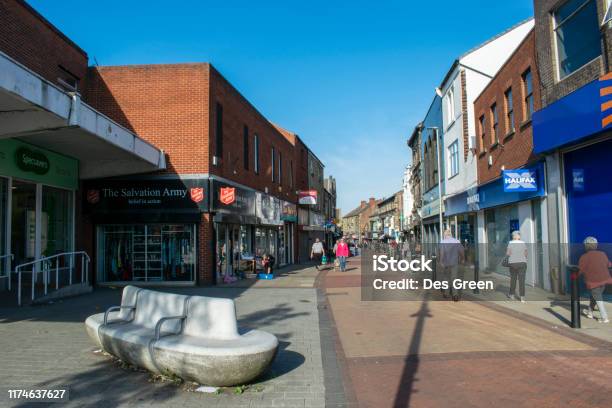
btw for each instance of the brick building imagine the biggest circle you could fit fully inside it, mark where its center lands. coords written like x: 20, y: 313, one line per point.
x: 503, y: 113
x: 572, y: 131
x: 168, y: 173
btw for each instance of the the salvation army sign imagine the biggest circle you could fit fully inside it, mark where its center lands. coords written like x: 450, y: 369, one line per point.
x: 227, y: 195
x: 232, y: 199
x: 105, y: 196
x: 520, y: 180
x: 308, y: 197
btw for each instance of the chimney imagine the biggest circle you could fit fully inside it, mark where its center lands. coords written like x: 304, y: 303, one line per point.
x: 363, y: 204
x: 372, y: 202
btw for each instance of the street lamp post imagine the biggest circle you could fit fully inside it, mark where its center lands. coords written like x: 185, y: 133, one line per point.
x: 437, y: 133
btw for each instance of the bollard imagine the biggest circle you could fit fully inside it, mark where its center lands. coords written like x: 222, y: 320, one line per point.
x: 434, y: 269
x: 574, y: 296
x: 476, y: 276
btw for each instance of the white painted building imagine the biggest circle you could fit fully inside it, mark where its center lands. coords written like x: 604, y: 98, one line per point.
x: 465, y: 80
x: 407, y: 201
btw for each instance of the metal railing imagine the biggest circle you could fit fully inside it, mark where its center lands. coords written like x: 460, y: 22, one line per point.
x: 45, y: 266
x: 9, y: 258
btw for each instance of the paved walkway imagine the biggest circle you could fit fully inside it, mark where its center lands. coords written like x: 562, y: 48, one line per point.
x: 469, y: 354
x: 47, y: 346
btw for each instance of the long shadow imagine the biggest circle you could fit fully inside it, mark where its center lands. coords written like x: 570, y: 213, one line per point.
x: 408, y: 379
x: 558, y: 316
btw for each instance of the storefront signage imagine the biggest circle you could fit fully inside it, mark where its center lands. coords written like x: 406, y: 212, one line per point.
x: 28, y: 162
x: 289, y: 212
x: 583, y: 113
x: 32, y: 160
x: 106, y: 196
x: 268, y: 209
x: 232, y: 199
x: 519, y: 180
x: 578, y: 179
x: 308, y: 197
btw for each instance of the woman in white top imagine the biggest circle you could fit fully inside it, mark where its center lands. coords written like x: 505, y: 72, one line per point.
x: 517, y: 262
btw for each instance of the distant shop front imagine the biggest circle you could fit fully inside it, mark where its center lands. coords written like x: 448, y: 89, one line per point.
x: 37, y: 204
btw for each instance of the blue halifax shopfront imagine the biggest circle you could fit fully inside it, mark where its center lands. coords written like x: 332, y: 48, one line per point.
x: 578, y: 126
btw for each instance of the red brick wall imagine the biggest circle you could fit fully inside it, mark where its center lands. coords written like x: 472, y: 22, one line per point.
x: 30, y: 39
x: 238, y: 112
x: 514, y: 149
x: 206, y: 250
x: 168, y: 105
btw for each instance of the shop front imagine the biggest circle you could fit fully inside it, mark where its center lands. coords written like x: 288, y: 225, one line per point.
x: 146, y: 229
x: 37, y: 194
x: 462, y: 221
x: 513, y: 202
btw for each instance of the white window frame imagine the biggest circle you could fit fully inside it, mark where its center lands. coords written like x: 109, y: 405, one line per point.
x: 450, y: 104
x: 453, y: 159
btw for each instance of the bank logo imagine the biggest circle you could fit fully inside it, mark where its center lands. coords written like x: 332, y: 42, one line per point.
x: 197, y: 194
x: 93, y: 196
x: 520, y: 180
x: 227, y: 195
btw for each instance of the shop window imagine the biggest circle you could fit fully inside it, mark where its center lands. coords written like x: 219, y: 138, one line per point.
x: 4, y: 256
x: 577, y: 35
x: 56, y: 220
x: 146, y: 252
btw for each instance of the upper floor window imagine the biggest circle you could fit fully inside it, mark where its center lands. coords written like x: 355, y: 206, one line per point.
x: 453, y: 158
x: 509, y: 111
x: 528, y: 92
x: 272, y: 167
x: 450, y: 105
x: 219, y: 131
x: 494, y: 123
x: 256, y: 154
x: 245, y: 147
x: 280, y: 168
x: 291, y: 173
x: 483, y: 132
x: 577, y: 35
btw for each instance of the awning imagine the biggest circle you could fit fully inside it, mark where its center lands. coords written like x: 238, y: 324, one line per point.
x: 36, y: 111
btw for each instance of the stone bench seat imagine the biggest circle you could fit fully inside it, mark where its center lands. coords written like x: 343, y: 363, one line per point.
x: 193, y: 337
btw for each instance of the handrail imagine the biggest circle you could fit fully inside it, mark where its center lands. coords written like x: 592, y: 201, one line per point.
x: 85, y: 260
x: 8, y: 270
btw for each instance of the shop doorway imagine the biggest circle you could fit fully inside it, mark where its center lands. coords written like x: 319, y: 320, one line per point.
x: 23, y: 222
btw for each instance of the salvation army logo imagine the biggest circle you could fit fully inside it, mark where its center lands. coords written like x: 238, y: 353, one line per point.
x: 227, y: 195
x: 516, y: 180
x: 93, y: 196
x: 197, y: 194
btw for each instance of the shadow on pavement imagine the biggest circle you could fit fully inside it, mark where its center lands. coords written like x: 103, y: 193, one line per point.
x: 411, y: 365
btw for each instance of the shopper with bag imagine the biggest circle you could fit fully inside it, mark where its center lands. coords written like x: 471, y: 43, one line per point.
x: 516, y: 260
x: 342, y: 252
x: 317, y: 252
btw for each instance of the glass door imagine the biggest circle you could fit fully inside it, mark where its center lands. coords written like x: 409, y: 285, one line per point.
x: 23, y: 222
x: 4, y: 254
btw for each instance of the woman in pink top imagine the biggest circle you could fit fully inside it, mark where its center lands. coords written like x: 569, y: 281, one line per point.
x: 594, y: 265
x: 342, y: 252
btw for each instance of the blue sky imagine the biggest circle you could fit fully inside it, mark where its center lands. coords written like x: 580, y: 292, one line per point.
x: 351, y: 78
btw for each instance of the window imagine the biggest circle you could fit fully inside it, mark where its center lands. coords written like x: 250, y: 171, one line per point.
x: 453, y: 158
x: 256, y: 154
x: 280, y: 168
x: 509, y: 111
x: 528, y: 91
x: 272, y: 165
x: 494, y: 123
x: 245, y: 147
x: 291, y: 173
x: 577, y: 36
x: 483, y: 133
x: 450, y: 104
x: 219, y: 131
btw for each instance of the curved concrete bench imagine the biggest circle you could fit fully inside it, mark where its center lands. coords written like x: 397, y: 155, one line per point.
x: 193, y: 337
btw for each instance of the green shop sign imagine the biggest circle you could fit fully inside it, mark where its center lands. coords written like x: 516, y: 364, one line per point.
x: 25, y: 161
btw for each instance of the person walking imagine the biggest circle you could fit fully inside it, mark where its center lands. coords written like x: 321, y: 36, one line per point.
x: 594, y: 265
x: 517, y: 262
x: 342, y: 252
x: 317, y: 251
x: 451, y: 256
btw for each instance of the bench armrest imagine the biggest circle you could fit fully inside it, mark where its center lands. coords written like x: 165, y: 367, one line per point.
x: 115, y: 308
x: 163, y: 320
